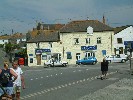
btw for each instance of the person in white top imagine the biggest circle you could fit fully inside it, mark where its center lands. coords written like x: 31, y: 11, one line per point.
x: 18, y: 82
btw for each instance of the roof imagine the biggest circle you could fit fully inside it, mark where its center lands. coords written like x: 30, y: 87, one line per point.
x: 5, y: 37
x: 119, y: 29
x: 49, y: 26
x: 45, y: 37
x: 82, y: 25
x: 53, y: 26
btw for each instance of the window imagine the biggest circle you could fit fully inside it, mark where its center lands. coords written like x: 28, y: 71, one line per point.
x: 87, y: 40
x: 50, y: 44
x: 98, y: 40
x: 104, y: 52
x: 78, y: 56
x: 37, y: 44
x: 90, y: 30
x: 76, y: 41
x: 69, y: 55
x: 89, y: 54
x: 119, y: 40
x: 120, y: 50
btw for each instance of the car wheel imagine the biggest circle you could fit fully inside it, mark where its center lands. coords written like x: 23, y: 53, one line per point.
x: 109, y: 61
x: 94, y: 63
x: 79, y: 63
x: 123, y: 61
x: 49, y: 65
x: 64, y: 65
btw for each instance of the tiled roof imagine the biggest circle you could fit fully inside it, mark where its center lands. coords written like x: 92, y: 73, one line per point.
x: 82, y: 25
x: 5, y: 37
x: 51, y: 26
x: 46, y: 37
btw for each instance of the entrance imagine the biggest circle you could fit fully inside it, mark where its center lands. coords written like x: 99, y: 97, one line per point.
x: 56, y: 56
x: 38, y: 57
x: 88, y: 54
x: 77, y: 56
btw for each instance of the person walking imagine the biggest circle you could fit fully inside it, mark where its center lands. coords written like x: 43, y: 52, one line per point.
x: 6, y: 81
x: 18, y: 82
x: 104, y: 69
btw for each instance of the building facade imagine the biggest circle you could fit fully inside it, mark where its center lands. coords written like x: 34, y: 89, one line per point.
x: 123, y: 40
x: 76, y: 40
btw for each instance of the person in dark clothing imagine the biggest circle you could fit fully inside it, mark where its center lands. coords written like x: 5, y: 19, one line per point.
x: 104, y: 68
x: 7, y: 86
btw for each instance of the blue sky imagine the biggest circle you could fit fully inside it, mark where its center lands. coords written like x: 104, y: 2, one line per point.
x: 22, y: 15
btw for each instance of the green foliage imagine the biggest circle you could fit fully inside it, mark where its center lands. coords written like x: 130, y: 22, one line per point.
x: 23, y: 52
x: 1, y: 45
x: 10, y: 47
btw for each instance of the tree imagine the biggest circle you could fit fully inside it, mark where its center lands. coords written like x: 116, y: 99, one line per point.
x: 8, y: 47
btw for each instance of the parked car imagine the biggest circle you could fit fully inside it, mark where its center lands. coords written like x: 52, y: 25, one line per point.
x: 89, y: 60
x: 52, y: 63
x: 115, y: 58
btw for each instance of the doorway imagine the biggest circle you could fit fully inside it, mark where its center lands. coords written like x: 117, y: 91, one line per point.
x: 38, y: 57
x: 89, y: 54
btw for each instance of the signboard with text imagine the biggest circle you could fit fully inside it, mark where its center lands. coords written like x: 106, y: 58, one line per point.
x: 89, y: 47
x: 40, y: 51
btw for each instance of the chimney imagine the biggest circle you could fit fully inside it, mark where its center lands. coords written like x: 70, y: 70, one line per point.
x: 104, y: 20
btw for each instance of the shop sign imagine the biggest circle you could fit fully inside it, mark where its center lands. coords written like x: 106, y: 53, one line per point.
x: 89, y: 47
x: 40, y: 51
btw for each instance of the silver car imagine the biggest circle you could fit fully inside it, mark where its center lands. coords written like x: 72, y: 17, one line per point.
x: 114, y: 58
x: 52, y: 63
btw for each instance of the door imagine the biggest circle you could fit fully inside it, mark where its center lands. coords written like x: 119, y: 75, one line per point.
x: 89, y: 54
x: 38, y: 57
x: 77, y: 56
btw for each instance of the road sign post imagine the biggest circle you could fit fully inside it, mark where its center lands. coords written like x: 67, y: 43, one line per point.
x: 130, y: 46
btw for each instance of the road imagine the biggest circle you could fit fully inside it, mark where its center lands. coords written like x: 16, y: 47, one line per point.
x: 68, y: 83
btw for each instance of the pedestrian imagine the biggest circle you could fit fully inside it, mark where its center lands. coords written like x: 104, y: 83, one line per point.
x: 104, y: 69
x: 6, y: 81
x: 18, y: 82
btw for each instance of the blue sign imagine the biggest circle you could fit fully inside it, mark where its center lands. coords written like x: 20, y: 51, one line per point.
x: 104, y: 52
x: 30, y: 54
x: 128, y: 43
x: 89, y: 47
x: 42, y: 50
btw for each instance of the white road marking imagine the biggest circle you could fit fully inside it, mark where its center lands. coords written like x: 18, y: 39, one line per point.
x: 74, y: 71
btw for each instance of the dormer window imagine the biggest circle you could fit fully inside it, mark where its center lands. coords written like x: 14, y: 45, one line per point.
x: 90, y: 30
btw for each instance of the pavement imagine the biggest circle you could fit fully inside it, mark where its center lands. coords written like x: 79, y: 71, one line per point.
x: 121, y: 90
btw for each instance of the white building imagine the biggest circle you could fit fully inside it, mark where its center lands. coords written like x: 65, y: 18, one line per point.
x: 4, y: 39
x: 122, y: 38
